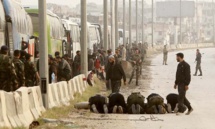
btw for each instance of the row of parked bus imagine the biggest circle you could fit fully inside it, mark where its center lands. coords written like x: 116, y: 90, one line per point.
x: 19, y: 24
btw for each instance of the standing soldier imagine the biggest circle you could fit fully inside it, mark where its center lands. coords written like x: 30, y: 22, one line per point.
x: 19, y: 67
x: 136, y: 61
x: 198, y: 62
x: 8, y: 77
x: 77, y: 64
x: 31, y: 73
x: 165, y: 55
x: 182, y: 81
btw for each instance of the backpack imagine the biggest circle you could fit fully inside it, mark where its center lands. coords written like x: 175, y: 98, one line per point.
x: 155, y: 99
x: 136, y: 98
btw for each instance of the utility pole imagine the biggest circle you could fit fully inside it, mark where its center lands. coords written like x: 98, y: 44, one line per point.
x: 112, y: 26
x: 105, y: 3
x: 116, y: 25
x: 197, y: 23
x: 130, y: 36
x: 143, y: 31
x: 84, y: 62
x: 124, y: 41
x: 152, y: 23
x: 137, y: 22
x: 43, y: 52
x: 213, y: 22
x: 180, y: 23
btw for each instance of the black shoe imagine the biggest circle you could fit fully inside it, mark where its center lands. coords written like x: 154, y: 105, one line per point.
x: 189, y: 111
x: 194, y: 75
x: 200, y: 75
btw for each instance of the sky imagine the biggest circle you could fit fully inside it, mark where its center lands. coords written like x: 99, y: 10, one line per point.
x: 73, y: 3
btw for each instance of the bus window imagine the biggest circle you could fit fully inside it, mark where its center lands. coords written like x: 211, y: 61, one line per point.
x: 120, y: 34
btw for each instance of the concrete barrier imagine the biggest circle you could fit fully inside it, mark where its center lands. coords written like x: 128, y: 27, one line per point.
x: 35, y: 99
x: 55, y: 94
x: 70, y: 90
x: 81, y: 83
x: 61, y: 92
x: 11, y: 110
x: 40, y: 99
x: 73, y: 86
x: 51, y: 96
x: 23, y: 106
x: 77, y: 85
x: 4, y: 121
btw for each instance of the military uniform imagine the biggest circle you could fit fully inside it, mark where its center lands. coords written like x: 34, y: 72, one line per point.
x: 30, y: 74
x: 198, y: 64
x: 165, y: 56
x: 8, y: 77
x: 19, y: 67
x: 136, y: 67
x: 135, y: 103
x: 155, y: 104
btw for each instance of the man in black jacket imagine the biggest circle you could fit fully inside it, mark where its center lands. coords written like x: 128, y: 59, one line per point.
x: 182, y: 81
x: 115, y: 73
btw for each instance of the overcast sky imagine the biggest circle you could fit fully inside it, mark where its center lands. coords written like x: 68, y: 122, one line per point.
x: 73, y: 3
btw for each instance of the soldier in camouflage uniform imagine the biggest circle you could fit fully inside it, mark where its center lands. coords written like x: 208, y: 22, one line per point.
x: 165, y: 55
x: 135, y: 103
x: 8, y: 77
x: 19, y: 67
x: 136, y: 61
x: 155, y: 104
x: 31, y: 74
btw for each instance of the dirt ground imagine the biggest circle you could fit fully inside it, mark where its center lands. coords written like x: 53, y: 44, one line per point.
x: 157, y: 78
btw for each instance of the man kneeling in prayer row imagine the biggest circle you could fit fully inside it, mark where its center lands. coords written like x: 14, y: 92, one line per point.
x: 135, y: 104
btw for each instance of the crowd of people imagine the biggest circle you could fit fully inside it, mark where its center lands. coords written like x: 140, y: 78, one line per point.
x: 20, y: 69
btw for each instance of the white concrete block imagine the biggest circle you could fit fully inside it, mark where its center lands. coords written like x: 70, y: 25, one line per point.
x: 4, y: 121
x: 51, y: 102
x: 73, y: 84
x: 54, y: 90
x: 33, y: 102
x: 70, y: 90
x: 61, y: 93
x: 81, y: 84
x: 77, y: 85
x: 65, y: 91
x: 40, y: 99
x: 23, y: 106
x: 11, y: 110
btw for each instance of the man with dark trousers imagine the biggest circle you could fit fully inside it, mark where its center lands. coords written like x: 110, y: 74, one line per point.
x: 172, y: 100
x: 115, y: 73
x: 198, y: 62
x: 183, y: 78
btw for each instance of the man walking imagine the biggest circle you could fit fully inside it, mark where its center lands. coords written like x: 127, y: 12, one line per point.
x: 182, y: 81
x: 115, y: 73
x: 165, y: 55
x: 198, y: 63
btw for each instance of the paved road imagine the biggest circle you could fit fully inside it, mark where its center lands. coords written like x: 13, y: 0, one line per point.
x: 201, y: 96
